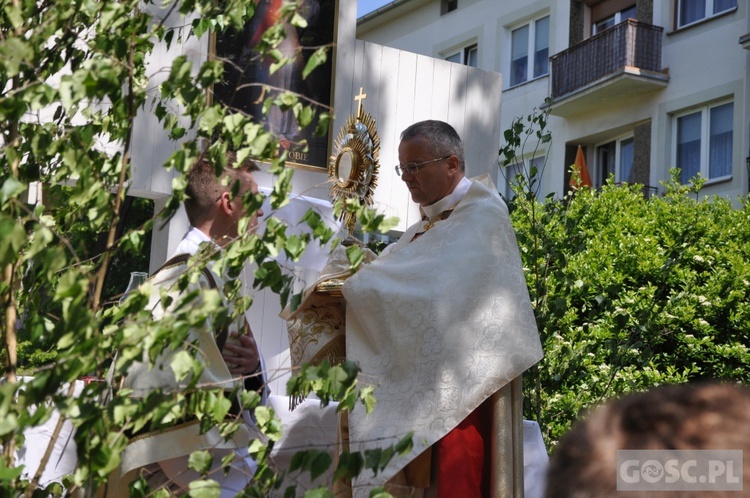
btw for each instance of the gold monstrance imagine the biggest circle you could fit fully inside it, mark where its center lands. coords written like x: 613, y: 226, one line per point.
x: 353, y: 169
x: 316, y: 327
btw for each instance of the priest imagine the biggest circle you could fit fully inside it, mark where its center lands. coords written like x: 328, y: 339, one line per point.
x: 440, y: 321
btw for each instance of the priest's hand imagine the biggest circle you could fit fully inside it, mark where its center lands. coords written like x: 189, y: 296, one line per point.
x: 241, y: 355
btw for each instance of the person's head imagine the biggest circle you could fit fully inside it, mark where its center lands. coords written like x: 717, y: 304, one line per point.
x: 707, y: 416
x: 439, y: 153
x: 214, y: 201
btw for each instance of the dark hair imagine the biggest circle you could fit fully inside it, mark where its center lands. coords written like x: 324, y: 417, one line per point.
x: 204, y: 184
x: 441, y: 136
x: 702, y: 416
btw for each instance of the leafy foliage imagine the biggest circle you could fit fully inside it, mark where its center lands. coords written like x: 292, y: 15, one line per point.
x: 630, y: 292
x: 75, y: 75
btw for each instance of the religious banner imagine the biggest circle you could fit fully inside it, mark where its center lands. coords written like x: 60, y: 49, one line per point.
x: 250, y: 79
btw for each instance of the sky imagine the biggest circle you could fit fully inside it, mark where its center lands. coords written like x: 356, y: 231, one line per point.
x: 367, y: 6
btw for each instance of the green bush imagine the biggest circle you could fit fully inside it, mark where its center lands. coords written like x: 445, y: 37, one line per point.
x: 631, y: 293
x: 75, y: 76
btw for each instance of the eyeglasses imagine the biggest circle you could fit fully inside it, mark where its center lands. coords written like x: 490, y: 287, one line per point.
x: 413, y: 168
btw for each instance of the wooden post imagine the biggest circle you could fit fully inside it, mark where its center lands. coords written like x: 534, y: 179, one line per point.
x: 342, y: 488
x: 506, y: 480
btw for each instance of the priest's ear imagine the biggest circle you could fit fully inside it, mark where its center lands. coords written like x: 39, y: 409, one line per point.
x: 225, y: 203
x: 454, y: 165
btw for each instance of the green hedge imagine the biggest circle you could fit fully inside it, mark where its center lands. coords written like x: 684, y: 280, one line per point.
x: 632, y: 292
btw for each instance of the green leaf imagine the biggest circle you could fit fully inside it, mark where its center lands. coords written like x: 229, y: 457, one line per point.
x: 321, y: 492
x: 71, y: 285
x: 320, y: 464
x: 263, y: 415
x: 405, y: 445
x: 318, y: 58
x: 295, y: 301
x: 15, y: 53
x: 295, y: 247
x: 200, y: 461
x: 367, y: 394
x: 11, y: 188
x: 323, y: 125
x: 13, y: 12
x: 305, y: 116
x: 220, y: 409
x: 380, y: 493
x: 182, y: 364
x: 9, y: 474
x: 355, y: 255
x: 259, y: 144
x: 8, y: 424
x: 12, y: 239
x: 211, y: 72
x: 233, y: 122
x: 207, y: 488
x: 350, y: 464
x: 338, y: 378
x: 377, y: 459
x: 316, y: 462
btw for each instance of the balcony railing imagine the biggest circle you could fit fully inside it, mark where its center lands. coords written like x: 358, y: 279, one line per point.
x: 647, y: 190
x: 630, y: 43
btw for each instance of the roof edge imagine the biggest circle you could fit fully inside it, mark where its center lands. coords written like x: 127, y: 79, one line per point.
x: 381, y: 10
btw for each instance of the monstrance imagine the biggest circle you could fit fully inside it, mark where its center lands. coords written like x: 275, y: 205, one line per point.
x: 353, y: 174
x: 316, y: 327
x: 353, y: 169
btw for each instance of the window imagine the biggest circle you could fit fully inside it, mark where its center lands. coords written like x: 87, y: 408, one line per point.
x: 690, y: 11
x: 532, y: 38
x: 615, y: 158
x: 466, y: 56
x: 617, y: 18
x: 527, y: 168
x: 448, y: 6
x: 625, y: 164
x: 703, y: 142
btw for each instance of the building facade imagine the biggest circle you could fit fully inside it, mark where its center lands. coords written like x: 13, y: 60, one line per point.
x: 641, y: 85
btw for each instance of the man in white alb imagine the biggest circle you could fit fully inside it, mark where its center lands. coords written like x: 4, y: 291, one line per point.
x: 442, y: 319
x: 214, y: 208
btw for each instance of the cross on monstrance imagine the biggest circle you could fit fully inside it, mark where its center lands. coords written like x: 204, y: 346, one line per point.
x: 359, y: 98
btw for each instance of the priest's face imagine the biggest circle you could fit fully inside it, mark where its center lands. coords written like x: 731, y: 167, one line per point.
x: 233, y: 209
x: 434, y: 180
x: 248, y: 185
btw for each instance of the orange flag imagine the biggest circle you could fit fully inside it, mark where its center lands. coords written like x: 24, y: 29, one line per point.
x: 582, y: 177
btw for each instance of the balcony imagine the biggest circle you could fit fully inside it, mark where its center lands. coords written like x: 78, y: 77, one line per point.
x: 620, y: 62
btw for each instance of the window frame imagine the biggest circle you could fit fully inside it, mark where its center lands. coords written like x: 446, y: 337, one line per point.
x: 599, y: 177
x: 464, y: 55
x: 707, y: 14
x: 447, y: 6
x: 704, y: 167
x: 616, y: 17
x: 531, y: 50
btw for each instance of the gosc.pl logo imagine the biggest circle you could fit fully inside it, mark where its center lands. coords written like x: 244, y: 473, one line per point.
x: 679, y: 470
